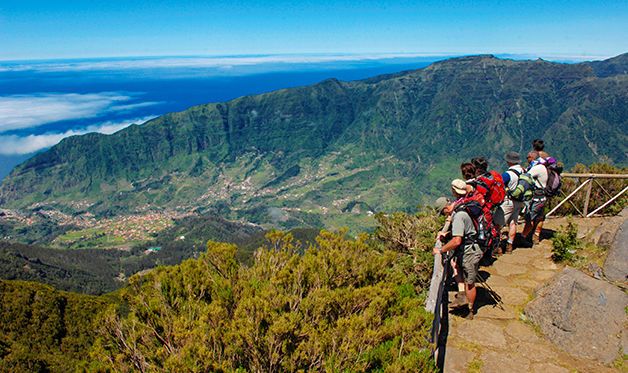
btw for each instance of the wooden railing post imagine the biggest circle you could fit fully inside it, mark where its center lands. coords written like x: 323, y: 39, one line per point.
x: 587, y: 198
x: 568, y: 197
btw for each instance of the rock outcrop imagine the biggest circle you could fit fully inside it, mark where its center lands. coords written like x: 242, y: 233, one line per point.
x: 583, y: 316
x: 616, y: 264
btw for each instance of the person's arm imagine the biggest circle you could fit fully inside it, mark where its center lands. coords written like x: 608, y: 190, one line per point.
x: 451, y: 245
x: 444, y: 232
x: 457, y: 231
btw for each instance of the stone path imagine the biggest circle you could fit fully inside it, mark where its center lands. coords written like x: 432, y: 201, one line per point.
x: 498, y: 339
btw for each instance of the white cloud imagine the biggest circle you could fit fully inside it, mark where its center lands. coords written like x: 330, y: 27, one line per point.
x: 218, y: 62
x: 225, y: 63
x: 25, y: 111
x: 13, y: 144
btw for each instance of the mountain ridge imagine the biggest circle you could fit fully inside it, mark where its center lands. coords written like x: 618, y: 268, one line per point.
x: 343, y: 137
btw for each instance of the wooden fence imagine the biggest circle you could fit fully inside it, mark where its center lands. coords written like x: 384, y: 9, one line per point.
x: 588, y: 180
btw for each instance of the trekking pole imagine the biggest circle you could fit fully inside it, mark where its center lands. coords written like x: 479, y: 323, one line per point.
x: 496, y: 297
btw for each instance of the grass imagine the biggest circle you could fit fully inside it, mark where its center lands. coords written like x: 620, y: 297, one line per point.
x: 475, y: 365
x: 621, y: 362
x: 469, y: 346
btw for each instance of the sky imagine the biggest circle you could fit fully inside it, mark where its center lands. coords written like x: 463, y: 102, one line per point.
x: 95, y: 28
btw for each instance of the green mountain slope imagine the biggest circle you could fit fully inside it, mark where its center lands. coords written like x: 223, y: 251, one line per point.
x: 331, y: 153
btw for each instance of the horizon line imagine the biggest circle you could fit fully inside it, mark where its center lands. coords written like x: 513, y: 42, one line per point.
x: 371, y: 55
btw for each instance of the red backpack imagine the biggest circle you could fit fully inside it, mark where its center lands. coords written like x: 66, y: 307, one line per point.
x: 491, y: 186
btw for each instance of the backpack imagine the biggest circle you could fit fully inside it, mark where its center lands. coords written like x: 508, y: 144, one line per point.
x: 485, y: 232
x: 517, y: 173
x: 524, y: 189
x: 491, y: 186
x: 471, y: 205
x: 554, y: 182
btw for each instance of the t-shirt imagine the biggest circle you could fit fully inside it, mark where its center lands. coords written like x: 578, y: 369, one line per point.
x: 539, y: 174
x: 539, y: 160
x: 462, y: 225
x: 513, y: 179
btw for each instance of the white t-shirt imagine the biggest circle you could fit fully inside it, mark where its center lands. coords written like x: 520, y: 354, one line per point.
x: 514, y: 178
x: 539, y: 174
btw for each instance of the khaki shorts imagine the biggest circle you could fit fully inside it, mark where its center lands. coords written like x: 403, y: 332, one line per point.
x: 471, y: 263
x: 508, y: 211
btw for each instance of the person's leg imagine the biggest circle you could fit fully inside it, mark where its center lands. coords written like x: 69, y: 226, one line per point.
x: 512, y: 232
x: 460, y: 298
x: 538, y: 216
x: 527, y: 228
x: 457, y: 272
x: 536, y: 237
x: 471, y: 294
x: 471, y: 266
x: 509, y: 208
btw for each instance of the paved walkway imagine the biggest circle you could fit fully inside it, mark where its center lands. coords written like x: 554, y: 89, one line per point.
x: 498, y: 340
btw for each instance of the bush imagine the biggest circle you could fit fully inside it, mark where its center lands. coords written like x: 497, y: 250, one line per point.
x: 413, y: 235
x: 342, y: 305
x: 566, y: 243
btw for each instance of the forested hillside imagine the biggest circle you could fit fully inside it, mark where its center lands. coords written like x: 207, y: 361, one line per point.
x: 342, y: 304
x: 332, y: 153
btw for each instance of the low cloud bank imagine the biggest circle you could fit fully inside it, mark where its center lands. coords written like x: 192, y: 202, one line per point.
x: 27, y: 111
x: 219, y: 62
x: 229, y: 62
x: 13, y: 144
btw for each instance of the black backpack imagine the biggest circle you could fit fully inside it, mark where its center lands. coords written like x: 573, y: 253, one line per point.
x: 484, y: 235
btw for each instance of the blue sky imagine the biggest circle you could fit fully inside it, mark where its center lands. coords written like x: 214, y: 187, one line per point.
x: 65, y: 29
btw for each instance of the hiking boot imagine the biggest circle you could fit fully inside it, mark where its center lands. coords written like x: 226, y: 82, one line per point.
x: 509, y: 248
x: 459, y: 301
x: 536, y: 239
x: 527, y: 241
x: 470, y: 315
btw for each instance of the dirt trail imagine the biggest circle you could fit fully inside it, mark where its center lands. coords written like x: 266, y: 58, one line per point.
x: 498, y: 339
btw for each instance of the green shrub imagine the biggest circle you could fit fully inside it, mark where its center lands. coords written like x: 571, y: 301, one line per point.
x: 566, y: 243
x: 342, y: 305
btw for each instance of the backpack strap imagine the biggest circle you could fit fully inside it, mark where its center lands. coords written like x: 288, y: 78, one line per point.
x: 471, y: 239
x: 518, y: 173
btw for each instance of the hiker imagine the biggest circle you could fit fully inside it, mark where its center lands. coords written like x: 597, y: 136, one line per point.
x: 490, y: 186
x: 535, y: 214
x: 538, y: 145
x: 468, y: 172
x: 467, y: 251
x: 533, y: 159
x: 509, y: 210
x: 440, y: 207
